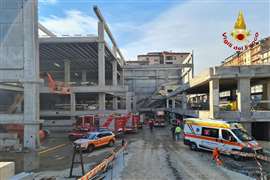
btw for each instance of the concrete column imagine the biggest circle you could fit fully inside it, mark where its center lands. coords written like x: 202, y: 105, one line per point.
x: 266, y: 94
x: 72, y: 103
x: 184, y: 101
x: 214, y: 98
x: 114, y: 73
x: 122, y: 74
x: 101, y: 55
x: 173, y: 103
x: 134, y: 103
x: 84, y: 76
x: 167, y: 103
x: 102, y: 101
x: 31, y: 115
x: 243, y: 98
x: 128, y: 101
x: 31, y: 81
x: 115, y: 103
x: 66, y: 72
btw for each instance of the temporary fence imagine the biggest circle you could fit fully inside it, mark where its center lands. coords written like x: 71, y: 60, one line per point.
x: 109, y: 168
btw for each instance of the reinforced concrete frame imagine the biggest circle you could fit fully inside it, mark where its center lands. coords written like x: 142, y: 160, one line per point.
x: 27, y: 76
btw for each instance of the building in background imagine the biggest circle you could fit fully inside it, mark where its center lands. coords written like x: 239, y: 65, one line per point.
x: 257, y: 54
x: 164, y: 57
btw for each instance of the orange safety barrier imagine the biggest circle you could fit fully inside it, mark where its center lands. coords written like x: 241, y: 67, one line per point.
x: 103, y: 165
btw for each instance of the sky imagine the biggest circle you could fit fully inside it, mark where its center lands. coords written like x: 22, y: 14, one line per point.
x: 141, y: 26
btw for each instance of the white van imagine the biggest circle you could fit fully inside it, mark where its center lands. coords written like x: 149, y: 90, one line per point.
x: 208, y: 134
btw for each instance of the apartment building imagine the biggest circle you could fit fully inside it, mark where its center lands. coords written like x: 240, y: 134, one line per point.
x: 257, y: 54
x: 164, y: 57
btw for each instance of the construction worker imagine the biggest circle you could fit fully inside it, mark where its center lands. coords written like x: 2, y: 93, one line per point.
x: 177, y: 132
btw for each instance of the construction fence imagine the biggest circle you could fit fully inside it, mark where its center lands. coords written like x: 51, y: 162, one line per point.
x: 110, y: 168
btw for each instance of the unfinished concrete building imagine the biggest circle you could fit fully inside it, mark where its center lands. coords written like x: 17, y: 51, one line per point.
x: 55, y: 78
x: 252, y: 106
x: 152, y: 85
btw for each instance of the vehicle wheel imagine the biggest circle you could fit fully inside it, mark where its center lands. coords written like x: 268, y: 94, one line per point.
x: 111, y: 143
x: 193, y: 147
x: 90, y: 148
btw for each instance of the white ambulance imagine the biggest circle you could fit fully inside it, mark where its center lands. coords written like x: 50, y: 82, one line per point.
x: 208, y: 134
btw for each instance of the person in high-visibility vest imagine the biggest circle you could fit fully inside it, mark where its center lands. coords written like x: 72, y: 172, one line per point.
x: 177, y: 133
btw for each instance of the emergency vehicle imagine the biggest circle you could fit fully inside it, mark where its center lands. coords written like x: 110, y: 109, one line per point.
x: 208, y: 134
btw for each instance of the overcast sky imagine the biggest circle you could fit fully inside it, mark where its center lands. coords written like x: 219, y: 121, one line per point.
x: 142, y: 26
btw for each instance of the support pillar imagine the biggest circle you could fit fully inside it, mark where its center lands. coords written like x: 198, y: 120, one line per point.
x: 167, y: 103
x: 266, y: 95
x: 122, y: 78
x: 31, y: 81
x: 214, y: 98
x: 184, y: 101
x: 173, y: 103
x: 72, y: 103
x: 114, y: 73
x: 134, y: 103
x: 243, y: 98
x: 128, y: 102
x: 84, y: 76
x: 101, y: 55
x: 66, y: 72
x: 115, y: 103
x: 102, y: 101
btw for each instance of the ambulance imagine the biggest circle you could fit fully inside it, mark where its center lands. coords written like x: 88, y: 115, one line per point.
x: 208, y: 134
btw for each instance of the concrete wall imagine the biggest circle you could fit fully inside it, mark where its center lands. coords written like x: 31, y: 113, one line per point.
x: 7, y: 169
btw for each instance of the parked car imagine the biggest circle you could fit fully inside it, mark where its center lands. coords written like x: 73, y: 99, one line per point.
x: 93, y: 140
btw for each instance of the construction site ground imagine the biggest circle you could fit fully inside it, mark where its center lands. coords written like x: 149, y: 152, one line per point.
x: 150, y: 156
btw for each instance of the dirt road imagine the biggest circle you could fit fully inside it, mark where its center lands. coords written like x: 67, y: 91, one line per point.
x: 156, y: 156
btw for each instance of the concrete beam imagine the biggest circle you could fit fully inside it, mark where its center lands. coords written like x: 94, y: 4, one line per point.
x: 11, y: 118
x: 11, y: 88
x: 68, y: 39
x: 92, y: 89
x: 77, y: 113
x: 45, y: 30
x: 107, y: 29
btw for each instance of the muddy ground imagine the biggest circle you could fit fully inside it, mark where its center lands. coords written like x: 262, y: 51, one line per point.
x: 157, y: 156
x: 151, y: 156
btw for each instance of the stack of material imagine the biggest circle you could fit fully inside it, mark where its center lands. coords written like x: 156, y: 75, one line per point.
x: 10, y: 142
